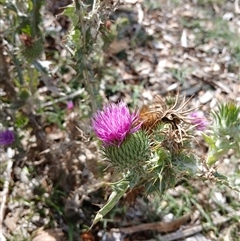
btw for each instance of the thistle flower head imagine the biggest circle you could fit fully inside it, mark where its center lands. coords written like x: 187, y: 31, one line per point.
x: 6, y: 137
x: 199, y: 120
x: 113, y: 124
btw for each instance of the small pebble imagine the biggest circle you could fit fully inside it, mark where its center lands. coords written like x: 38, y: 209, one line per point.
x: 206, y: 97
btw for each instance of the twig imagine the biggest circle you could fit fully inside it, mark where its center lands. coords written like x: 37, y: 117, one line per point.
x: 237, y: 8
x: 159, y: 226
x: 5, y: 80
x: 70, y: 96
x: 140, y: 20
x: 5, y: 190
x: 94, y: 5
x: 180, y: 234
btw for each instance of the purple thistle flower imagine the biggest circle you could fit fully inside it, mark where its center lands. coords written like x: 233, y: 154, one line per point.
x: 70, y: 105
x: 114, y: 123
x: 6, y: 137
x: 199, y: 120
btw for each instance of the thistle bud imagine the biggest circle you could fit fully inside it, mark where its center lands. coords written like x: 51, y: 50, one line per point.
x: 32, y: 48
x: 123, y: 143
x: 131, y: 154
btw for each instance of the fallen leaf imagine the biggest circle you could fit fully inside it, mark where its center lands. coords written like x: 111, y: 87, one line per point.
x: 117, y: 46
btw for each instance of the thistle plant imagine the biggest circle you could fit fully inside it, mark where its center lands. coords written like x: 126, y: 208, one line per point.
x: 224, y: 132
x: 150, y: 148
x: 153, y: 149
x: 123, y: 143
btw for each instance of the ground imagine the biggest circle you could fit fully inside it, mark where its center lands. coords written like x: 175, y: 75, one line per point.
x: 53, y: 178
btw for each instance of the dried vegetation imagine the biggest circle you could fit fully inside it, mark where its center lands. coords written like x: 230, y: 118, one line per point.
x: 57, y: 180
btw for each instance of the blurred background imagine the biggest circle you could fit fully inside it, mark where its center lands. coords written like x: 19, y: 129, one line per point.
x: 60, y: 61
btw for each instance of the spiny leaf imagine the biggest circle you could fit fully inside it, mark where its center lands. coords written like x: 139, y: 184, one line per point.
x: 209, y: 140
x: 119, y: 190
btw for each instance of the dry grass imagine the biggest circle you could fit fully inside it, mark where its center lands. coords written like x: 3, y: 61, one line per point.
x: 57, y: 180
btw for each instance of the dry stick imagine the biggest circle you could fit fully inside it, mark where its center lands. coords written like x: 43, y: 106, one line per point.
x: 5, y: 193
x: 237, y: 8
x: 70, y: 96
x: 159, y: 226
x: 140, y: 20
x: 5, y: 80
x: 180, y: 234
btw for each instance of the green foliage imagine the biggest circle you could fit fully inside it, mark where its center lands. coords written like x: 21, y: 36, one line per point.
x: 152, y: 5
x: 34, y: 51
x: 207, y: 2
x: 224, y: 134
x: 21, y: 120
x: 25, y: 31
x: 82, y: 42
x: 119, y: 189
x: 226, y: 119
x: 180, y: 74
x: 131, y: 154
x: 153, y: 160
